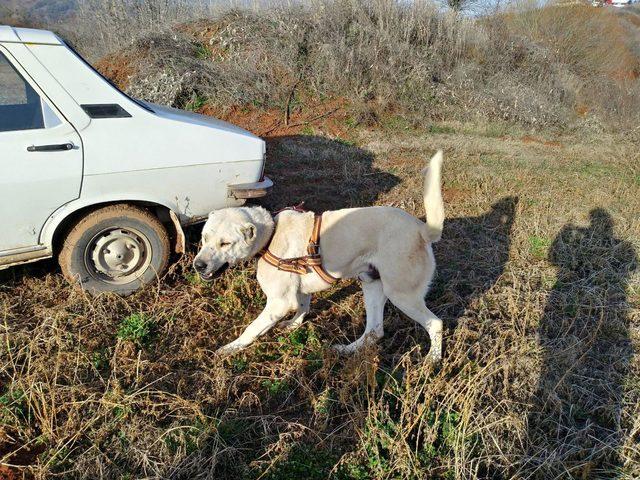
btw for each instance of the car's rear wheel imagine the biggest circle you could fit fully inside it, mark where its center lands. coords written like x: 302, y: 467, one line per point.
x: 118, y: 248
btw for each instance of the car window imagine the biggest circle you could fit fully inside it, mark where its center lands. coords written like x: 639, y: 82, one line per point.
x: 20, y: 105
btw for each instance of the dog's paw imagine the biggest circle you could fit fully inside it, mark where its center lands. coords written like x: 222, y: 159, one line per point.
x: 228, y: 349
x: 290, y: 325
x: 434, y: 359
x: 342, y: 349
x: 435, y: 355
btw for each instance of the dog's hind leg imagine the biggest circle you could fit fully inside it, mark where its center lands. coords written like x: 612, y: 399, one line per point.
x: 275, y: 310
x: 374, y: 300
x: 413, y: 306
x: 304, y: 302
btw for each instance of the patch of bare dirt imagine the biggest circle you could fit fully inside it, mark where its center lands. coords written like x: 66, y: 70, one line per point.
x: 547, y: 143
x: 120, y: 67
x: 19, y: 460
x: 329, y: 116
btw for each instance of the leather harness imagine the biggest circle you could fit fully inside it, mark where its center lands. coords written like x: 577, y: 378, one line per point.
x: 301, y: 265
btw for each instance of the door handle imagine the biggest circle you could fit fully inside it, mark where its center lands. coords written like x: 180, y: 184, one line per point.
x: 50, y: 148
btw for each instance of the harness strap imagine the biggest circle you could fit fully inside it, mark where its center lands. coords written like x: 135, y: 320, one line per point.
x: 301, y: 265
x: 313, y: 249
x: 294, y: 265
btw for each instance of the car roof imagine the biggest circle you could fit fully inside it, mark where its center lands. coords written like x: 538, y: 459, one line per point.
x: 27, y: 35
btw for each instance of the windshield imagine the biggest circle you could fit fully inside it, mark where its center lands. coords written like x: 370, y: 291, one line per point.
x: 140, y: 103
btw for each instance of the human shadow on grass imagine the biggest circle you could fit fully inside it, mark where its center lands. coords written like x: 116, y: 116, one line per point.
x: 575, y: 425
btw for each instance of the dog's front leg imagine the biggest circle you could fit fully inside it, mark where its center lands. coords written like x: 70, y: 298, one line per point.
x: 273, y: 312
x: 304, y: 303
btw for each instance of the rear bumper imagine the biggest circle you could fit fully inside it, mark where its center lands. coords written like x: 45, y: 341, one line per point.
x: 242, y: 191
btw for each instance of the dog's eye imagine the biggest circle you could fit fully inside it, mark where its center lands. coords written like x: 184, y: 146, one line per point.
x: 224, y: 244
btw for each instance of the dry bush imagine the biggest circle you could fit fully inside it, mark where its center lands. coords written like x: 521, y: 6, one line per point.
x: 549, y: 67
x: 101, y: 26
x: 593, y: 49
x: 588, y: 41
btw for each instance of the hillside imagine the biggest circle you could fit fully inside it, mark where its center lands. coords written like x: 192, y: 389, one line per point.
x: 559, y: 67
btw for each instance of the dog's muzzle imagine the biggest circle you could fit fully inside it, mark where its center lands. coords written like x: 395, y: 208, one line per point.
x: 207, y: 273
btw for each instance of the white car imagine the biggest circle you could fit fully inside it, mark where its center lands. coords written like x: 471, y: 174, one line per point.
x: 101, y: 180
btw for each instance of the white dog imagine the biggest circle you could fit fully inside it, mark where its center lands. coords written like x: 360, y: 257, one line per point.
x: 386, y: 248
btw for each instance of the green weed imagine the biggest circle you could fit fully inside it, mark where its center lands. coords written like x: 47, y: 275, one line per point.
x: 440, y: 129
x: 100, y: 359
x: 491, y: 160
x: 13, y: 408
x: 397, y: 122
x: 230, y: 430
x: 308, y: 130
x: 203, y: 52
x: 239, y: 365
x: 136, y: 328
x: 322, y: 405
x: 351, y: 122
x: 344, y: 141
x: 55, y: 458
x: 493, y: 130
x: 186, y: 437
x: 193, y: 278
x: 276, y: 386
x: 548, y: 281
x: 303, y: 462
x: 121, y: 412
x: 294, y: 342
x: 593, y: 169
x: 196, y: 103
x: 539, y: 246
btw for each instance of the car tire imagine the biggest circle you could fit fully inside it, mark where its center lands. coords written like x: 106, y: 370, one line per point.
x: 119, y: 248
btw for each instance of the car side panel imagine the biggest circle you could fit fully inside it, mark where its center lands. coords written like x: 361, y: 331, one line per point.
x: 191, y: 192
x: 145, y: 143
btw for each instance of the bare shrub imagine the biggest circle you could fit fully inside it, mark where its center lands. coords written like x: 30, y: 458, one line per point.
x: 109, y: 24
x: 593, y: 48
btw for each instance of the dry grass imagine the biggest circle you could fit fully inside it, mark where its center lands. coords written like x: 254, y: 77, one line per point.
x: 541, y: 302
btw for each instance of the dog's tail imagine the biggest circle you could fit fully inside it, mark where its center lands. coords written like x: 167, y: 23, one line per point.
x: 433, y: 199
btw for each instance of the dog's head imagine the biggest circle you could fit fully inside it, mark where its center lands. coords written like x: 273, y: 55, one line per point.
x: 229, y: 236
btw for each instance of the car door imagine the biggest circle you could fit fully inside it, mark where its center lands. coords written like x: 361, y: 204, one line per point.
x: 41, y: 158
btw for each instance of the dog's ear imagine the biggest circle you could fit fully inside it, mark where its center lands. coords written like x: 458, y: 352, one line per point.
x: 248, y: 231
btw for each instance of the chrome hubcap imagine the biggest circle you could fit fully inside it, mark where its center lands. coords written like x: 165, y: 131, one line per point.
x: 118, y: 255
